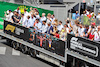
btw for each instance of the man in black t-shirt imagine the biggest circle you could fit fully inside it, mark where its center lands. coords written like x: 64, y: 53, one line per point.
x: 16, y: 17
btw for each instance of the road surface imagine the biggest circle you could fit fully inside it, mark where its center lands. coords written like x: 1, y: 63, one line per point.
x: 13, y: 58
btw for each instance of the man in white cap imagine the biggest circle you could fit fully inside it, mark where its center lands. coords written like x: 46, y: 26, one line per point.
x: 10, y: 15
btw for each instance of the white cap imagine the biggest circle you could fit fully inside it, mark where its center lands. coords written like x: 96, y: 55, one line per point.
x: 7, y: 11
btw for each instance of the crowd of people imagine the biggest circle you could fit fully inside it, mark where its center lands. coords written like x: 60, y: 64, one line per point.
x: 50, y: 25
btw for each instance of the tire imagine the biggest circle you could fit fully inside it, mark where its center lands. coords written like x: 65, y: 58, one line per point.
x: 24, y: 48
x: 69, y: 64
x: 15, y: 45
x: 32, y: 52
x: 9, y: 42
x: 82, y: 64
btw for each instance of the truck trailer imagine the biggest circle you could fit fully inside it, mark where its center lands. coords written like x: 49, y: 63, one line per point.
x: 74, y: 52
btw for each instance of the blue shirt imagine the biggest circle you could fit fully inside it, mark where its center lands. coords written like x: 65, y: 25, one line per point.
x: 77, y: 15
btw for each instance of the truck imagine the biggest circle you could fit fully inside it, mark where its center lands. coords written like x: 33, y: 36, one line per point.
x: 74, y: 52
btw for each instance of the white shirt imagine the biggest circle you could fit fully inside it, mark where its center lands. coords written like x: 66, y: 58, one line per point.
x: 80, y: 31
x: 98, y: 16
x: 10, y: 16
x: 7, y: 17
x: 39, y: 25
x: 69, y: 25
x: 87, y: 12
x: 44, y: 28
x: 26, y: 13
x: 53, y: 19
x: 49, y: 20
x: 97, y: 36
x: 92, y: 30
x: 26, y: 23
x: 32, y: 20
x: 75, y: 29
x: 43, y: 18
x: 60, y: 27
x: 37, y: 16
x: 22, y: 21
x: 67, y: 29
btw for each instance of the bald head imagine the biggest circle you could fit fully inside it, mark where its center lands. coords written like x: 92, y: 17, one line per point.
x: 99, y: 27
x: 43, y: 14
x: 76, y: 12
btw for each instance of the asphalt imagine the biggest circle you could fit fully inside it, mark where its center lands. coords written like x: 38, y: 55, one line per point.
x: 12, y: 58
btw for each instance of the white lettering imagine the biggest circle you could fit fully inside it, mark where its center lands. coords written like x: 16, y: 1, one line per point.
x: 76, y: 45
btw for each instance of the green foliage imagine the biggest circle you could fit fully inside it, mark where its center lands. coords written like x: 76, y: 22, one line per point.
x: 87, y: 21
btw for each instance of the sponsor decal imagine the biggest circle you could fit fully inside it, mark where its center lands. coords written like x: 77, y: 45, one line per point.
x: 10, y: 27
x: 83, y: 47
x: 18, y: 31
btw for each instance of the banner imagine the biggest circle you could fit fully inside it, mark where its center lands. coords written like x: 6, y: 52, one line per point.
x: 1, y: 23
x: 4, y: 6
x: 84, y: 47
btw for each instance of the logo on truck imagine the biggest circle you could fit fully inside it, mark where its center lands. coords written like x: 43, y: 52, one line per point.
x: 10, y: 27
x: 83, y: 47
x: 19, y: 31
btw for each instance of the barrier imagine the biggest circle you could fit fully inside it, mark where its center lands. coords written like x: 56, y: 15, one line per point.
x: 84, y: 46
x: 16, y: 30
x: 45, y: 41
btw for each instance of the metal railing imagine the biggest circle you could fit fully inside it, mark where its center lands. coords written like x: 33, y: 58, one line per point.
x: 24, y: 2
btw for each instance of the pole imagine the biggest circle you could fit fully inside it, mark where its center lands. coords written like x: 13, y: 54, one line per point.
x: 66, y: 10
x: 79, y: 6
x: 95, y: 6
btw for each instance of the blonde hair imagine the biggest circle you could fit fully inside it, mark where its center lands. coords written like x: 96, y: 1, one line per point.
x: 49, y: 14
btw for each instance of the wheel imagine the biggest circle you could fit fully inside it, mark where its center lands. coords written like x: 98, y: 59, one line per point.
x: 9, y: 42
x: 24, y: 48
x: 32, y: 52
x: 15, y: 45
x: 81, y: 64
x: 69, y: 64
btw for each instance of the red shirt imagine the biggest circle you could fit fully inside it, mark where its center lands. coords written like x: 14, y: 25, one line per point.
x: 57, y: 35
x: 89, y: 16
